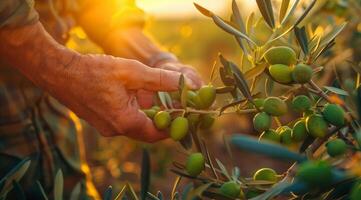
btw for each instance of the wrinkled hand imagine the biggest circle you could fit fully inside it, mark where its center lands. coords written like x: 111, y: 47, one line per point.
x: 146, y: 97
x: 103, y: 91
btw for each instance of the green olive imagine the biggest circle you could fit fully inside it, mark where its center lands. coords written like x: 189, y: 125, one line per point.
x: 302, y: 73
x: 195, y: 164
x: 150, y: 113
x: 281, y: 73
x: 265, y: 174
x: 179, y: 128
x: 336, y: 147
x: 299, y: 131
x: 280, y: 55
x: 231, y: 189
x: 316, y: 125
x: 258, y: 102
x: 270, y: 135
x: 286, y: 134
x: 162, y: 120
x: 156, y: 108
x: 301, y: 103
x: 193, y: 100
x: 315, y: 173
x: 207, y: 95
x: 275, y: 106
x: 334, y: 114
x: 262, y: 121
x: 207, y: 121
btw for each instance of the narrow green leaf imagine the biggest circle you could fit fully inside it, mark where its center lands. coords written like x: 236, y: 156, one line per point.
x: 209, y: 160
x: 18, y: 191
x: 160, y: 195
x: 58, y: 185
x: 145, y: 174
x: 186, y: 190
x: 223, y: 169
x: 225, y: 89
x: 229, y: 29
x: 15, y: 174
x: 121, y: 193
x: 336, y: 90
x: 305, y: 13
x: 226, y: 79
x: 153, y: 197
x: 202, y: 10
x: 265, y: 7
x: 130, y: 192
x: 250, y: 144
x: 236, y: 173
x: 333, y: 34
x: 255, y: 71
x: 302, y: 39
x: 249, y: 23
x: 183, y: 91
x: 234, y: 103
x: 108, y: 193
x: 291, y: 12
x: 283, y: 9
x: 42, y: 191
x: 165, y: 99
x: 175, y: 185
x: 75, y: 193
x: 237, y: 16
x: 187, y: 141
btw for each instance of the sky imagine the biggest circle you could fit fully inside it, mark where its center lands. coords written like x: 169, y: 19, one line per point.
x: 185, y: 8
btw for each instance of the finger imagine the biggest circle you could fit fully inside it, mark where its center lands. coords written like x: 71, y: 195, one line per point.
x: 193, y: 75
x: 145, y: 98
x: 164, y: 80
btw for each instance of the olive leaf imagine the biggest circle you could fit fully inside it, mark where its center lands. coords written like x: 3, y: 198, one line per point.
x: 108, y: 193
x: 130, y: 192
x: 159, y: 195
x: 165, y: 99
x: 237, y: 16
x: 75, y: 193
x: 225, y: 89
x: 305, y: 13
x: 58, y: 185
x: 145, y: 174
x: 302, y: 40
x: 332, y: 34
x: 153, y: 197
x: 210, y: 162
x: 223, y: 169
x: 15, y: 174
x: 249, y: 23
x: 283, y: 9
x: 290, y: 12
x: 226, y: 79
x: 183, y: 91
x: 336, y: 90
x: 255, y: 71
x: 274, y: 191
x: 121, y: 193
x: 266, y: 9
x: 187, y: 141
x: 250, y: 144
x: 42, y: 191
x: 202, y: 10
x: 175, y: 185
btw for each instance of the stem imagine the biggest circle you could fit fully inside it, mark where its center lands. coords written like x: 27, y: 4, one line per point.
x: 317, y: 143
x: 245, y: 111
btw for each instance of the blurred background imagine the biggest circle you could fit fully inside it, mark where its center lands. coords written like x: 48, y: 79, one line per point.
x: 181, y: 29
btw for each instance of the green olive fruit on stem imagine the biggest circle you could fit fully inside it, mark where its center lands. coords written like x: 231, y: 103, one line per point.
x: 207, y: 121
x: 280, y: 55
x: 195, y: 164
x: 179, y: 128
x: 231, y: 189
x: 299, y: 131
x: 262, y: 121
x: 270, y: 135
x: 162, y: 120
x: 150, y: 113
x: 334, y: 114
x: 281, y: 73
x: 258, y: 102
x: 265, y: 174
x: 315, y: 173
x: 301, y: 103
x: 286, y: 134
x: 316, y: 125
x: 193, y: 100
x: 207, y: 95
x: 302, y: 73
x: 336, y: 147
x: 156, y: 108
x: 275, y: 106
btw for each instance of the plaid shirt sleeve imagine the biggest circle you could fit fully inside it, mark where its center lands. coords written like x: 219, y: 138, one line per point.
x: 17, y: 13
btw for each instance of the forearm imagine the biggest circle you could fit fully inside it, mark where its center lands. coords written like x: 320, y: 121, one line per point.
x: 32, y: 51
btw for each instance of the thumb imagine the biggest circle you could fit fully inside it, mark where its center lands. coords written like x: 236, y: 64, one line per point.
x: 157, y: 79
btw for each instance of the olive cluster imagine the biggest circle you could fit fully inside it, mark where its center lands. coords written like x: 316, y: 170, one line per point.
x: 315, y: 122
x: 179, y: 121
